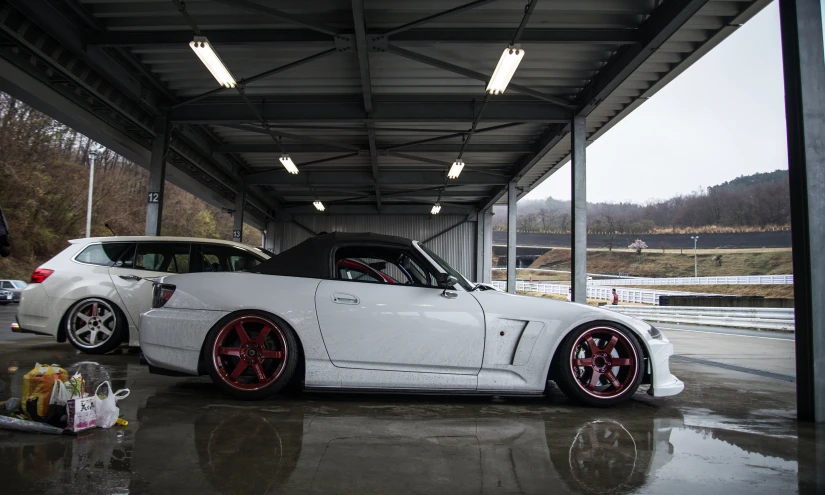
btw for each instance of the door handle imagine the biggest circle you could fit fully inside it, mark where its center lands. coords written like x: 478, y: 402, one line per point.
x: 130, y: 277
x: 341, y: 298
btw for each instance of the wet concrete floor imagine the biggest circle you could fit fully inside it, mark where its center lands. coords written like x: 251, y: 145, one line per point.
x: 728, y: 433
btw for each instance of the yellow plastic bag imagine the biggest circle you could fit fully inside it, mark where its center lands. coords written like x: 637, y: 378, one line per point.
x: 37, y: 390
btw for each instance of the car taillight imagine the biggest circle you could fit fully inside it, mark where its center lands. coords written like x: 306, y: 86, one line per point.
x: 39, y: 275
x: 161, y: 293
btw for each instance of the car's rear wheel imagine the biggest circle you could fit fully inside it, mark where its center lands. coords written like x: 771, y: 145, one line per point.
x: 599, y: 365
x: 251, y: 355
x: 95, y: 326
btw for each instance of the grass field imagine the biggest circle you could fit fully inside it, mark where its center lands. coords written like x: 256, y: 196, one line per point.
x: 784, y: 291
x: 658, y: 264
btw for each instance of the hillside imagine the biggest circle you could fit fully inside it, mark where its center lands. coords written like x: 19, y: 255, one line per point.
x: 44, y: 176
x: 657, y: 264
x: 750, y: 203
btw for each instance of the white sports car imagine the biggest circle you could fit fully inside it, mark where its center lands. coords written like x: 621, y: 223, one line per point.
x: 373, y: 312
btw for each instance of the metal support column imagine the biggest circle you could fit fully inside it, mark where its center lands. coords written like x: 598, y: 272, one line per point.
x: 274, y: 236
x: 804, y: 68
x: 512, y: 199
x: 157, y: 176
x: 484, y: 246
x: 237, y: 217
x: 578, y: 252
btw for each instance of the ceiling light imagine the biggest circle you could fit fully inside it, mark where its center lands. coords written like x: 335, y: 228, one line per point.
x: 212, y: 61
x: 318, y: 205
x: 436, y: 209
x: 289, y: 165
x: 456, y: 169
x: 507, y: 65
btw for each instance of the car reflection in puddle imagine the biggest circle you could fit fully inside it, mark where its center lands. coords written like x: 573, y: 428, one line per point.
x: 193, y: 445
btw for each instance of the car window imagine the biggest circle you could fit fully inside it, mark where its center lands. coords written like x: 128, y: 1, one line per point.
x: 19, y: 284
x: 170, y: 257
x: 380, y: 264
x: 355, y: 270
x: 7, y: 285
x: 217, y: 258
x: 106, y: 254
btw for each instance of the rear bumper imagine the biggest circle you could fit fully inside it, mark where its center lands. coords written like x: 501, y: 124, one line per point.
x: 39, y: 313
x: 172, y: 339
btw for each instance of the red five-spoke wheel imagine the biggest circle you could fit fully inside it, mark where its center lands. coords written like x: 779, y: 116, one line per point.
x: 602, y: 365
x: 250, y: 354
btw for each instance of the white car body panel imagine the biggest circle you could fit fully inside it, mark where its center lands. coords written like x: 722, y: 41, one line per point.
x: 517, y: 362
x: 389, y: 327
x: 43, y: 306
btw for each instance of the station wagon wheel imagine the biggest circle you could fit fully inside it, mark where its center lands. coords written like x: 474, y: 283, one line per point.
x: 94, y: 326
x: 602, y: 365
x: 252, y: 354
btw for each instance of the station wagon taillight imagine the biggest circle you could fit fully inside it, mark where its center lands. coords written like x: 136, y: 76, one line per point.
x: 39, y: 275
x: 161, y: 293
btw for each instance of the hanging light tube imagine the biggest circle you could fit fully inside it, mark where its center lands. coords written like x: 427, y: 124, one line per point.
x: 456, y: 169
x: 200, y: 45
x: 507, y: 65
x: 318, y: 205
x: 436, y: 209
x: 289, y: 165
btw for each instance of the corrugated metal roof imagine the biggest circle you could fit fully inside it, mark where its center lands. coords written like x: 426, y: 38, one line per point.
x: 421, y: 112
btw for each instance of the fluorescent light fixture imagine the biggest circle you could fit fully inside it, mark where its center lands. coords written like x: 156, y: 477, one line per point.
x: 289, y: 165
x: 456, y: 169
x: 507, y: 65
x: 212, y: 61
x: 318, y: 205
x: 436, y: 209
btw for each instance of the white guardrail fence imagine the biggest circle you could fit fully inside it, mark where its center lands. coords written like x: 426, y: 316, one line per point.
x: 781, y: 319
x: 742, y: 280
x: 639, y: 296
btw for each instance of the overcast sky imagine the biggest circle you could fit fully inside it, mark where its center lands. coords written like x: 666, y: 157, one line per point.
x: 721, y: 118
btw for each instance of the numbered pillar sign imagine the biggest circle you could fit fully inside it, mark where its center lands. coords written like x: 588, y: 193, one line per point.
x: 154, y: 197
x: 236, y: 234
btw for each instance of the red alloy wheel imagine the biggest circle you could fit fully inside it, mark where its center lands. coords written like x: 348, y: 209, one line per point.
x: 604, y: 362
x: 250, y: 353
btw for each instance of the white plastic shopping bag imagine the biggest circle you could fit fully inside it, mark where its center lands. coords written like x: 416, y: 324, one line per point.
x: 106, y: 408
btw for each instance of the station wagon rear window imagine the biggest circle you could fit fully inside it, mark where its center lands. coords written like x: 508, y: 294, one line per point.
x: 102, y: 254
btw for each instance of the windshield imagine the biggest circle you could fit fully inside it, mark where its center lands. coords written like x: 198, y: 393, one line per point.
x: 447, y: 268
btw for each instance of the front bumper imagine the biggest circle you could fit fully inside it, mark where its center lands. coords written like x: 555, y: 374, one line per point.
x: 664, y: 383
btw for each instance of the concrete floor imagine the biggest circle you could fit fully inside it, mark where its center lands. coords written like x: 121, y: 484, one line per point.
x: 729, y: 432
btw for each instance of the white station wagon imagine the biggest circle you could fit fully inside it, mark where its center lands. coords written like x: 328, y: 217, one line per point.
x: 93, y: 292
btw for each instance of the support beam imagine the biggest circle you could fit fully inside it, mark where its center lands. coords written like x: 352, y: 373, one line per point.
x: 157, y: 177
x: 656, y: 30
x: 237, y: 216
x: 512, y: 212
x: 277, y: 14
x: 578, y: 205
x: 802, y: 54
x: 258, y: 147
x: 498, y: 36
x: 302, y: 108
x: 364, y: 178
x: 430, y: 18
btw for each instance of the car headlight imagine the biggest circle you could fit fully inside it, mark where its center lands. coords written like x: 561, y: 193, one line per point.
x: 654, y: 332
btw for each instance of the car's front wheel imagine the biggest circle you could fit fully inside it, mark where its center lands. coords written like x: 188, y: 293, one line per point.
x: 599, y: 365
x: 95, y: 326
x: 251, y: 355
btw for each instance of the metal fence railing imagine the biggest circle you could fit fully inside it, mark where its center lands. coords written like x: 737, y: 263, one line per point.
x: 781, y: 319
x: 638, y: 296
x: 736, y: 280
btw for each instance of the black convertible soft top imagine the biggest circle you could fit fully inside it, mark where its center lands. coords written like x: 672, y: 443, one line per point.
x: 313, y: 257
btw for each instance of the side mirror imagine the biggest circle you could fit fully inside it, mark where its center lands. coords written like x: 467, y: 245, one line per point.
x: 446, y: 280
